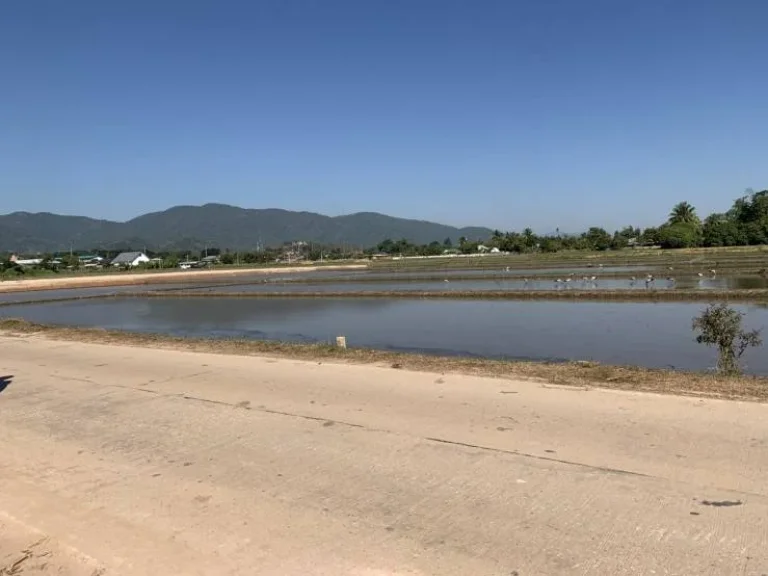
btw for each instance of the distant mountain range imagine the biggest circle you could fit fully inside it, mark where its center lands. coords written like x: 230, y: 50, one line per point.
x: 215, y: 225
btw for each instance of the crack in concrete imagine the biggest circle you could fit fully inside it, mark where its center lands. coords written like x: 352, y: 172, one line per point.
x: 604, y: 469
x: 545, y: 458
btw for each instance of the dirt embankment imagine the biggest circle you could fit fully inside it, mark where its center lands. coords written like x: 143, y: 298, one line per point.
x: 575, y: 374
x: 177, y: 276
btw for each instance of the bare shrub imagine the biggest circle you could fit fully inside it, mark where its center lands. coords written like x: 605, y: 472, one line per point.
x: 720, y: 325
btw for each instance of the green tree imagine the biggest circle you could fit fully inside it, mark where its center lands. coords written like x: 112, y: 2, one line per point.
x: 550, y: 244
x: 714, y: 230
x: 680, y: 235
x: 683, y: 213
x: 722, y: 230
x: 386, y: 246
x: 629, y: 232
x: 650, y: 236
x: 598, y: 238
x: 619, y: 241
x: 529, y: 239
x: 170, y: 261
x: 756, y: 233
x: 511, y: 242
x: 10, y: 269
x: 720, y: 326
x: 71, y: 261
x: 750, y: 208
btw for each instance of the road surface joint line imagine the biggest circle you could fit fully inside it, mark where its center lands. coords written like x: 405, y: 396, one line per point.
x: 545, y: 458
x: 606, y: 469
x: 280, y: 413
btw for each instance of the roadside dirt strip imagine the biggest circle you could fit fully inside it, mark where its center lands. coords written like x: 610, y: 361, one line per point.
x: 174, y: 276
x: 123, y: 460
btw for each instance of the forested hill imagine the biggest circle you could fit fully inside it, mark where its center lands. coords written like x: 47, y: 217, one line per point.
x: 193, y: 227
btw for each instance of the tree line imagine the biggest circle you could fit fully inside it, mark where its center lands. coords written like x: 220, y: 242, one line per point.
x: 745, y: 224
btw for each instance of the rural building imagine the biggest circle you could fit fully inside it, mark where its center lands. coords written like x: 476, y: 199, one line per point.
x: 130, y: 259
x: 26, y: 261
x: 90, y: 259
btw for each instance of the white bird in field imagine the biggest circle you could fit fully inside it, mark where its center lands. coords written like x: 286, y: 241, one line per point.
x: 649, y: 280
x: 700, y: 275
x: 713, y: 272
x: 446, y: 280
x: 670, y: 268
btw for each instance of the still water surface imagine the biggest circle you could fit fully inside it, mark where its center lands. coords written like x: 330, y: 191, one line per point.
x: 288, y: 284
x: 390, y: 284
x: 648, y: 334
x: 34, y: 295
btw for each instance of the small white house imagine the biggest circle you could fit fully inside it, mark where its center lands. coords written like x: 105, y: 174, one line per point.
x: 130, y: 259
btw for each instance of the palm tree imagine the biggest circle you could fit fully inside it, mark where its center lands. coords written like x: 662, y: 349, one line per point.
x: 529, y: 237
x: 683, y: 213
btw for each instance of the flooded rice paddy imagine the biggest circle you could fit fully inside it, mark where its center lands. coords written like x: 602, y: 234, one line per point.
x: 645, y: 334
x: 289, y: 285
x: 651, y: 334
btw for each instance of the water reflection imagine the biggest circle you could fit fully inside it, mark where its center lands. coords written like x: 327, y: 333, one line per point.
x: 650, y: 334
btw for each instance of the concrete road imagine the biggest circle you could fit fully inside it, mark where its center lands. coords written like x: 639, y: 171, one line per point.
x: 119, y: 460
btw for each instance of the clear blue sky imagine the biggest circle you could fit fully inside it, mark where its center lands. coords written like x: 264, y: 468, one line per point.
x: 505, y: 113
